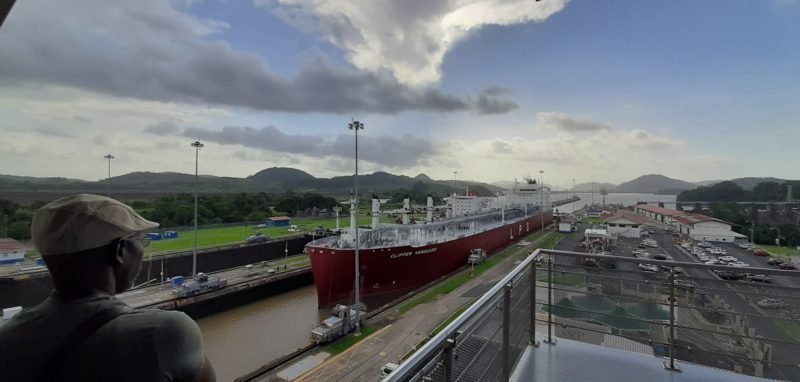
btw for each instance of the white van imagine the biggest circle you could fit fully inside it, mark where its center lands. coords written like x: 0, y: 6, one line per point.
x: 388, y: 369
x: 293, y: 228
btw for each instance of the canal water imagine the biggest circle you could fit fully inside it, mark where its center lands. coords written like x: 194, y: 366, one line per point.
x: 242, y: 339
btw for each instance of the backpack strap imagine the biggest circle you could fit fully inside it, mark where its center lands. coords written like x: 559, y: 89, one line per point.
x: 63, y: 352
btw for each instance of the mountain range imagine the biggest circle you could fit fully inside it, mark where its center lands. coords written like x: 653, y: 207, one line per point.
x: 273, y: 180
x: 660, y: 184
x: 282, y: 179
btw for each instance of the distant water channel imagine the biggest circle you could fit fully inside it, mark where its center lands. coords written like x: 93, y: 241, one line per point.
x: 623, y: 199
x: 242, y: 339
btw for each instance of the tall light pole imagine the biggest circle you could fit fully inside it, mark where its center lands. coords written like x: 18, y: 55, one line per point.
x: 541, y: 195
x: 573, y: 195
x: 108, y: 180
x: 356, y: 126
x: 455, y: 181
x: 197, y: 145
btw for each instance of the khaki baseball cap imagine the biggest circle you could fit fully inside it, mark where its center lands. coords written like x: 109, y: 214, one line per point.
x: 79, y: 222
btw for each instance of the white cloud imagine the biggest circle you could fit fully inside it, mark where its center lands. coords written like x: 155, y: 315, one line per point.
x: 151, y: 50
x: 408, y: 38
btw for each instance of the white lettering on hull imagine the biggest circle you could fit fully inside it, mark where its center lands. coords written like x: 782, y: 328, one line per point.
x: 412, y: 253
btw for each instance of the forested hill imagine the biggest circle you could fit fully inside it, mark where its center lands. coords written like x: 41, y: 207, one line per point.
x: 271, y: 180
x: 729, y: 191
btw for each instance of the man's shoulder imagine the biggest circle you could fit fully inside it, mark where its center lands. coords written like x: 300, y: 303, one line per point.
x: 159, y: 320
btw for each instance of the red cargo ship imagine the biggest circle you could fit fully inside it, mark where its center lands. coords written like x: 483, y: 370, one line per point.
x: 395, y: 258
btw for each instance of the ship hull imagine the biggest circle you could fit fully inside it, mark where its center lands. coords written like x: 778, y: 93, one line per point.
x: 394, y: 270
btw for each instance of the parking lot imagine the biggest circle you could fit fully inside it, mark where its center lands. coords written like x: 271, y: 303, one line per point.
x: 771, y: 309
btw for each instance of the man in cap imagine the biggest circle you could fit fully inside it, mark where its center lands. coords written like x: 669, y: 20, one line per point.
x: 93, y: 248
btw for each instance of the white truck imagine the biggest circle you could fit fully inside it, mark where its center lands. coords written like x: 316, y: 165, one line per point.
x: 565, y: 227
x: 476, y: 256
x: 202, y: 283
x: 341, y: 322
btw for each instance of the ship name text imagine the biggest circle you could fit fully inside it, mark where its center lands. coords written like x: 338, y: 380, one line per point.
x: 411, y: 253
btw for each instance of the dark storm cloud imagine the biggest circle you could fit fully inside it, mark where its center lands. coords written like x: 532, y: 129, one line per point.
x: 495, y: 100
x: 149, y: 50
x: 402, y: 151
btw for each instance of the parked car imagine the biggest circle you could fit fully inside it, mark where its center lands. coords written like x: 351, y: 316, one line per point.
x: 771, y: 303
x: 787, y: 266
x: 257, y: 238
x: 661, y: 256
x: 649, y: 267
x: 730, y: 275
x: 261, y: 226
x: 760, y: 252
x: 728, y: 259
x: 685, y: 284
x: 760, y: 278
x: 738, y: 264
x: 388, y: 369
x: 774, y: 261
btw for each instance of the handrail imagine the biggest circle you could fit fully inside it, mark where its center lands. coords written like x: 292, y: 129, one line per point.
x: 409, y: 366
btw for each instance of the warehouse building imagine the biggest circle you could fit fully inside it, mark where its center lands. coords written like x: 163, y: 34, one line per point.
x: 659, y: 214
x: 625, y: 224
x: 705, y: 228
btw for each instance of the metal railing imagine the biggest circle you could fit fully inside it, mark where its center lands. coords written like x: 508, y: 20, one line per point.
x: 687, y: 312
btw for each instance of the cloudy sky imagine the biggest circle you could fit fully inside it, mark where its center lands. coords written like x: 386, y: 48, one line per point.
x: 602, y: 90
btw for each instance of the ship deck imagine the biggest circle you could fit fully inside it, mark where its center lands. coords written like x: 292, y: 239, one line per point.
x: 421, y: 235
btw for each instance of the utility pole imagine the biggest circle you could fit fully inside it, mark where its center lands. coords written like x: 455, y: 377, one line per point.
x: 108, y: 180
x: 455, y: 182
x: 197, y: 145
x: 356, y: 126
x: 541, y: 195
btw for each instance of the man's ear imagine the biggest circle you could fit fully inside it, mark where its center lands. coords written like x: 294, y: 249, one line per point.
x: 121, y: 248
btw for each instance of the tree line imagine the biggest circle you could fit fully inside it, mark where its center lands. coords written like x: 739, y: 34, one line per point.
x: 762, y: 233
x: 178, y: 210
x: 731, y: 192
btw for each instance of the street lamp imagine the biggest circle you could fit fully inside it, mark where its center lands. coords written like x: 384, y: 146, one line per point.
x: 541, y: 195
x: 197, y: 145
x: 108, y: 180
x: 573, y: 195
x: 356, y: 126
x: 455, y: 182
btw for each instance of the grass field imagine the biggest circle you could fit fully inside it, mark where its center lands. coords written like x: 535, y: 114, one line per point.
x: 782, y: 251
x: 352, y: 339
x: 791, y: 328
x: 211, y: 237
x: 592, y: 220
